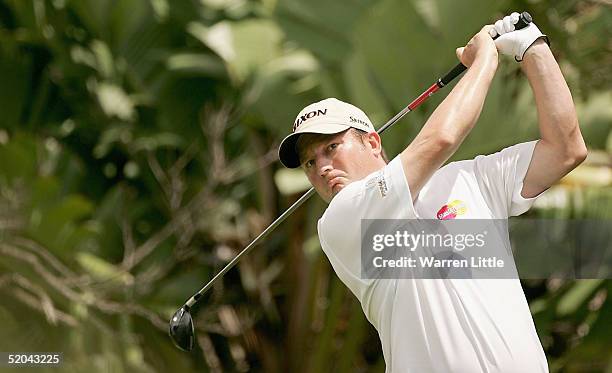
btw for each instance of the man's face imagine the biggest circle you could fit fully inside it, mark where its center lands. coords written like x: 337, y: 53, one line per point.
x: 331, y: 162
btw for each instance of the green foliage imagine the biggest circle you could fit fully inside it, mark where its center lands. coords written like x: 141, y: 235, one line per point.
x: 138, y: 155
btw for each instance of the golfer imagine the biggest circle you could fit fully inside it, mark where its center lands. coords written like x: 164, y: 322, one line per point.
x: 441, y: 325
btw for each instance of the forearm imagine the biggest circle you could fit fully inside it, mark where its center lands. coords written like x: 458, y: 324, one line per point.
x: 557, y: 118
x: 453, y: 119
x: 449, y: 124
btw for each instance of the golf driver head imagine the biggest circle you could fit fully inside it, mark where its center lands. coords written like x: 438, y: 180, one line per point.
x: 181, y: 329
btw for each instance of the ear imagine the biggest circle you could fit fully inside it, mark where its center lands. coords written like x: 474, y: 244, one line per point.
x: 373, y: 140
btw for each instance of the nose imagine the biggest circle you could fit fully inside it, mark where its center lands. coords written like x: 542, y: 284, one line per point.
x: 324, y: 167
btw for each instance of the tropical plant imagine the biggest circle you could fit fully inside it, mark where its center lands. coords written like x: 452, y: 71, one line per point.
x: 138, y: 155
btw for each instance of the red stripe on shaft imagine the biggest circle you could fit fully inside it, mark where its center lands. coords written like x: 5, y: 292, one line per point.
x: 424, y: 96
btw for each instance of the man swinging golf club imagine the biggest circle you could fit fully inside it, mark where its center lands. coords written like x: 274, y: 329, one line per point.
x: 441, y: 325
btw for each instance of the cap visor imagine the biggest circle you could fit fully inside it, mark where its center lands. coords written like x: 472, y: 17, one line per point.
x: 287, y: 151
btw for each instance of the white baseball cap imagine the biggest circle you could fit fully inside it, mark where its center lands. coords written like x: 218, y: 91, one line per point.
x: 327, y: 116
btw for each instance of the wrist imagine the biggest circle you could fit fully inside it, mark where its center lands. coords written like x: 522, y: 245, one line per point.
x: 539, y: 47
x: 487, y: 59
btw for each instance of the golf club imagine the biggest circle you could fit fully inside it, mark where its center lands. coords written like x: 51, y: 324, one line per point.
x: 181, y: 327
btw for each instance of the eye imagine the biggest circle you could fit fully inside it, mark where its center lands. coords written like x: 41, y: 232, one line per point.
x: 332, y: 146
x: 309, y: 163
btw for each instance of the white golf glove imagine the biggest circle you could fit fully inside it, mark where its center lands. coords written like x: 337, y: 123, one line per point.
x: 515, y: 43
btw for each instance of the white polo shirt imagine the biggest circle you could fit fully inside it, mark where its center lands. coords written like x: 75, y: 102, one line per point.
x: 439, y: 325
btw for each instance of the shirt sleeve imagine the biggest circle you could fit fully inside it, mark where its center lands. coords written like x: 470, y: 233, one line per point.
x: 500, y: 177
x: 381, y: 195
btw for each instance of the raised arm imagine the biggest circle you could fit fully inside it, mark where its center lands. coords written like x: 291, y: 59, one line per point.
x: 561, y: 147
x: 453, y: 119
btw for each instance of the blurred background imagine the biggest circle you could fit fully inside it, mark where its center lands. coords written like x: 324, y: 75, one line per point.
x: 138, y: 144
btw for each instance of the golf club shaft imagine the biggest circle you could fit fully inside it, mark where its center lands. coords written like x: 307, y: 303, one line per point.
x: 263, y: 234
x: 524, y: 20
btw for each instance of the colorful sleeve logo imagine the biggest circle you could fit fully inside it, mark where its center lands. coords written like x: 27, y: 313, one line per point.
x: 452, y: 210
